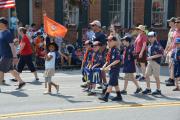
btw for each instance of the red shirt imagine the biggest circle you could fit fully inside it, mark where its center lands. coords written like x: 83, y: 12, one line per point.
x: 140, y: 40
x: 27, y: 48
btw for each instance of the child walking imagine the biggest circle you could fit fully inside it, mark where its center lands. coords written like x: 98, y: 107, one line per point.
x: 113, y: 66
x: 50, y: 68
x: 129, y: 65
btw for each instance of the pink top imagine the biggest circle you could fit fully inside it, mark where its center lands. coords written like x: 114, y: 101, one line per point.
x: 140, y: 40
x: 176, y: 34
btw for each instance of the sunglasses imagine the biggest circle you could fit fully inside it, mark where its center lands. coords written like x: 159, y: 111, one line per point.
x: 177, y: 22
x: 93, y: 25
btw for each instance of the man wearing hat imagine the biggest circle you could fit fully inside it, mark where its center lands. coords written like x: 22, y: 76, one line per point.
x: 155, y: 52
x: 176, y: 62
x: 167, y: 50
x: 8, y: 55
x: 140, y: 49
x: 176, y: 34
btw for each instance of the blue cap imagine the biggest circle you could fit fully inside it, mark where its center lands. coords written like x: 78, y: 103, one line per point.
x: 126, y: 38
x: 178, y: 40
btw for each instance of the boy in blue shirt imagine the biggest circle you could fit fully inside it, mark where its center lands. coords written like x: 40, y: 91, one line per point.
x: 113, y: 66
x: 176, y: 62
x: 155, y: 52
x: 129, y: 65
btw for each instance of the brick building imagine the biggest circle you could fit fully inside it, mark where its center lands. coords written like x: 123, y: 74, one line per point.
x: 127, y: 13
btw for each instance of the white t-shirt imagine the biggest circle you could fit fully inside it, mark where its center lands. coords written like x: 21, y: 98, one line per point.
x: 51, y: 63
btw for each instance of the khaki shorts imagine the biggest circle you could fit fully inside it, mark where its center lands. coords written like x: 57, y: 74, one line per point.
x: 153, y: 68
x: 49, y: 72
x: 129, y: 76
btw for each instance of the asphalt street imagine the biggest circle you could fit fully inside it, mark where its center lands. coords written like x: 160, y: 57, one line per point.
x: 73, y: 103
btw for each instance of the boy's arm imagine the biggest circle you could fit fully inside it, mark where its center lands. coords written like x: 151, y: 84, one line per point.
x: 112, y: 64
x: 48, y: 57
x: 154, y: 57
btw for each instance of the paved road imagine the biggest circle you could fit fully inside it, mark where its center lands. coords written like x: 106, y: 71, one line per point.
x: 74, y: 104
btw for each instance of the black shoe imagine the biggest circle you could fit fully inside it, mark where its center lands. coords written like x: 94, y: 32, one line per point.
x: 138, y: 90
x: 84, y: 86
x: 170, y: 83
x: 37, y: 79
x: 124, y: 92
x: 100, y: 87
x: 91, y: 93
x: 21, y: 85
x: 169, y: 80
x: 138, y: 76
x: 142, y: 79
x: 147, y: 91
x: 117, y: 99
x: 103, y: 99
x: 157, y: 92
x: 13, y: 80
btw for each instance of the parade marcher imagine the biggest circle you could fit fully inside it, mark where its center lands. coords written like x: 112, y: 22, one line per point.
x: 168, y: 50
x: 140, y: 49
x: 26, y: 53
x: 155, y: 52
x: 101, y: 37
x: 113, y: 66
x: 176, y: 34
x: 50, y: 68
x: 86, y: 61
x: 96, y: 63
x: 8, y: 56
x: 176, y: 62
x: 129, y: 65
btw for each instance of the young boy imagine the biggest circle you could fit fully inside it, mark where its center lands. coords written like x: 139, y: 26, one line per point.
x: 86, y: 61
x: 95, y: 66
x: 155, y: 52
x: 129, y: 65
x: 176, y: 62
x: 113, y: 66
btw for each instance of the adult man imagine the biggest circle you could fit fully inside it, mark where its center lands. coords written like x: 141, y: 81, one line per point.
x: 176, y: 34
x: 100, y: 36
x: 8, y: 55
x: 167, y: 50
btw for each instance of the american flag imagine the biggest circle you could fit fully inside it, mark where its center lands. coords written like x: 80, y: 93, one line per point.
x: 4, y: 4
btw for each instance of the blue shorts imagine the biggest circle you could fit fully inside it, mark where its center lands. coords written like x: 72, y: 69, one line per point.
x: 177, y: 70
x: 113, y: 77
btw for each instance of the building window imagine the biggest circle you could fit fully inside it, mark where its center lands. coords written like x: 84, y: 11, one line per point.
x: 159, y: 13
x: 71, y: 13
x: 115, y: 12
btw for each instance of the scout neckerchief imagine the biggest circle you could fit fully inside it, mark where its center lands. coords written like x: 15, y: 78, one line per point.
x: 86, y: 55
x: 108, y: 57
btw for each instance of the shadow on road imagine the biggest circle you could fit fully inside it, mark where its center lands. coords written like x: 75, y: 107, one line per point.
x: 17, y: 93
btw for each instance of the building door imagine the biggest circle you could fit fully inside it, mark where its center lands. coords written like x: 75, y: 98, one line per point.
x: 22, y: 9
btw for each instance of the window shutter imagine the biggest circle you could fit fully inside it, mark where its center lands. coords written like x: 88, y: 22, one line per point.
x: 59, y: 11
x: 147, y: 12
x: 171, y: 8
x: 105, y: 13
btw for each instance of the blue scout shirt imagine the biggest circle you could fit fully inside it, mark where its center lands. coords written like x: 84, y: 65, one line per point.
x: 89, y: 57
x: 176, y: 55
x: 98, y: 59
x: 129, y: 60
x: 5, y: 38
x: 115, y: 55
x: 155, y: 49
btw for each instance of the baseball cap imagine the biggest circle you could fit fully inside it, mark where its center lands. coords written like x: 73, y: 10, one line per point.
x: 152, y: 34
x: 126, y: 38
x: 3, y: 20
x: 173, y: 19
x: 96, y: 22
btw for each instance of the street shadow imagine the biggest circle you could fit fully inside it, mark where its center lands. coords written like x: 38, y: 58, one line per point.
x: 166, y: 97
x: 145, y: 97
x: 16, y: 93
x: 68, y: 98
x: 35, y: 82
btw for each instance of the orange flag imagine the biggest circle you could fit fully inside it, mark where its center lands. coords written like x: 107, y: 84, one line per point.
x: 53, y: 28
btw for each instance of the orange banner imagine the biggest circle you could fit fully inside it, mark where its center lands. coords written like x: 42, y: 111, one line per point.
x: 53, y: 28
